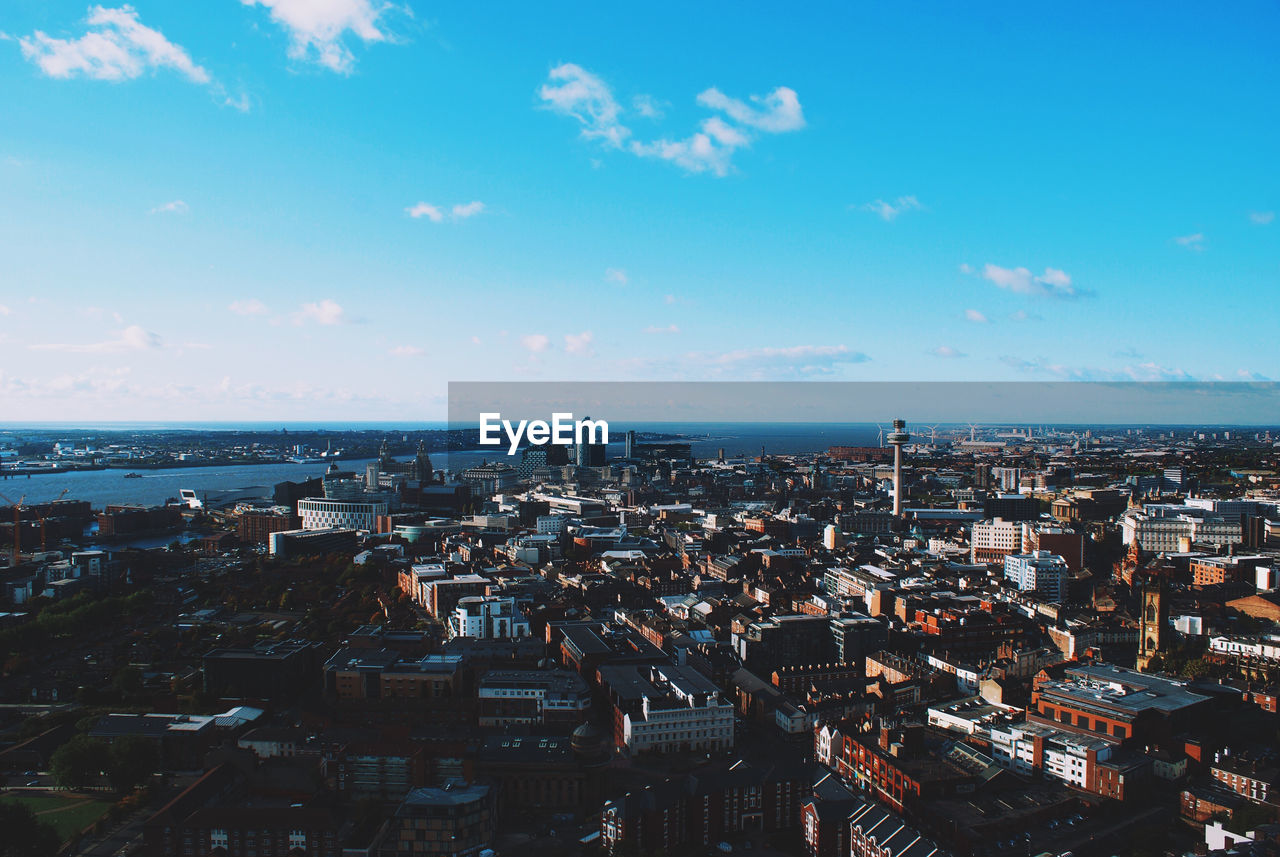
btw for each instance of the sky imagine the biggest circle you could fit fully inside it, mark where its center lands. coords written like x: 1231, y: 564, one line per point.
x: 330, y: 209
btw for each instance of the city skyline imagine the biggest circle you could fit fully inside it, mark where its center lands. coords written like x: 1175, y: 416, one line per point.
x: 283, y: 210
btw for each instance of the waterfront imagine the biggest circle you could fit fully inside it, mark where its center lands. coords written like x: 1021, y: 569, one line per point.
x: 152, y: 487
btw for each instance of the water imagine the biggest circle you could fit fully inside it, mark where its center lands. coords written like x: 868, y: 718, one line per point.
x: 738, y: 440
x: 101, y: 487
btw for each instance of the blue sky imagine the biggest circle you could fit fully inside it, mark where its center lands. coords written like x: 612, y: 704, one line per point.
x: 207, y: 208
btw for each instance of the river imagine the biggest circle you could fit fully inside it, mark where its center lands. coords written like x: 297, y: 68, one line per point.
x: 154, y: 487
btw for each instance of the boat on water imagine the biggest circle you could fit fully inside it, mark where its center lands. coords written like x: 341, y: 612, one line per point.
x: 133, y: 476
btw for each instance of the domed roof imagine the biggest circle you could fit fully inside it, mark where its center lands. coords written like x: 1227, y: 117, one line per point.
x: 588, y: 740
x: 587, y: 731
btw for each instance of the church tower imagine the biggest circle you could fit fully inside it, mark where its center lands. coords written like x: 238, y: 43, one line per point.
x: 422, y: 462
x: 1155, y: 617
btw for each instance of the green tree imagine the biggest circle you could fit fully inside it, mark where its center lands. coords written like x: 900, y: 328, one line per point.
x: 1198, y: 668
x: 130, y: 760
x: 25, y: 835
x: 79, y: 762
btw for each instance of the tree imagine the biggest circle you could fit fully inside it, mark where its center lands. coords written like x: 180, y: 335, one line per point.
x: 25, y: 835
x: 1198, y: 668
x: 130, y: 760
x: 79, y: 762
x: 128, y: 682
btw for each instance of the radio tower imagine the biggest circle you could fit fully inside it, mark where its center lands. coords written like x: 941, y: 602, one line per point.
x: 898, y: 438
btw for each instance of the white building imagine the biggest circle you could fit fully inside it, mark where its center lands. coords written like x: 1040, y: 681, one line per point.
x: 670, y: 709
x: 992, y: 541
x: 1006, y: 477
x: 832, y: 538
x: 488, y: 617
x: 1027, y: 748
x: 552, y: 524
x: 532, y: 697
x: 322, y: 514
x: 1170, y: 528
x: 1040, y: 572
x: 1263, y: 648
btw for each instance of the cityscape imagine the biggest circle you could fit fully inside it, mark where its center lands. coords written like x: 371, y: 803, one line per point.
x: 571, y: 429
x: 931, y: 640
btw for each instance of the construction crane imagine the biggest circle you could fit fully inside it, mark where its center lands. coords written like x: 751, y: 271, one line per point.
x: 17, y: 526
x: 42, y: 519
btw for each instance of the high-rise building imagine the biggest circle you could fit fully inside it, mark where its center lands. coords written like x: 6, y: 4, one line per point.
x: 1040, y: 572
x: 590, y: 454
x: 992, y: 541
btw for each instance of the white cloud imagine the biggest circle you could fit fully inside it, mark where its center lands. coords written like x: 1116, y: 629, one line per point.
x: 890, y: 210
x: 95, y: 381
x: 427, y: 210
x: 4, y: 310
x: 649, y: 107
x: 1262, y: 218
x: 240, y: 102
x: 793, y: 361
x: 1052, y: 283
x: 132, y: 338
x: 578, y: 343
x: 974, y: 316
x: 707, y: 150
x: 775, y: 113
x: 318, y: 28
x: 615, y: 275
x: 436, y: 214
x: 535, y: 343
x: 407, y: 351
x: 1023, y: 315
x: 946, y: 351
x: 325, y: 312
x: 1194, y: 241
x: 1148, y: 371
x: 966, y: 268
x: 251, y: 306
x: 175, y: 207
x: 704, y: 151
x: 1250, y: 375
x: 116, y: 47
x: 573, y: 91
x: 669, y: 299
x: 465, y: 210
x: 655, y: 329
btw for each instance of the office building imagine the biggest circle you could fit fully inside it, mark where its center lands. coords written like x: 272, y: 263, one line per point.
x: 487, y: 617
x: 324, y: 514
x: 1040, y: 572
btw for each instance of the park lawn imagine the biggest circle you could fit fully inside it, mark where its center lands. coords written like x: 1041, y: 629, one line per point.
x: 68, y: 815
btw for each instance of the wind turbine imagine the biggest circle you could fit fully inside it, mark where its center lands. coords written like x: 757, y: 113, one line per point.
x: 973, y: 427
x: 933, y: 434
x: 881, y: 436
